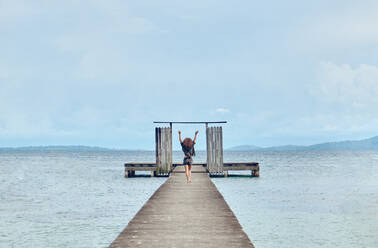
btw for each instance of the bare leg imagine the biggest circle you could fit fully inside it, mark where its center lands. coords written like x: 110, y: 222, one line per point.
x: 187, y: 173
x: 190, y: 172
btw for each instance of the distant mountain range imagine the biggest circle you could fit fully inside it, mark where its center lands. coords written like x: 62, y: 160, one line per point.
x: 365, y: 144
x: 57, y: 148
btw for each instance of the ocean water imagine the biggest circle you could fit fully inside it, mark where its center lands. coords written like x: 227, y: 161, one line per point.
x: 307, y: 199
x: 81, y: 199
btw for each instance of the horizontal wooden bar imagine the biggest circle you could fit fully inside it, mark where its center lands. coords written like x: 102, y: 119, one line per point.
x: 226, y: 165
x: 195, y: 163
x: 241, y: 168
x: 140, y: 165
x: 145, y: 168
x: 190, y: 122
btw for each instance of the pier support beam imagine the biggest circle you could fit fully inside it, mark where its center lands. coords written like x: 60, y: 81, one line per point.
x: 255, y: 173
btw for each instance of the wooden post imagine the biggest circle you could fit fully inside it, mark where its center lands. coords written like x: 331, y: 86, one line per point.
x: 163, y: 139
x: 214, y: 150
x: 157, y: 148
x: 255, y: 172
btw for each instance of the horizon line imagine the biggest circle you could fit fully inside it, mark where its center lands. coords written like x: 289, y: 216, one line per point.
x: 139, y: 149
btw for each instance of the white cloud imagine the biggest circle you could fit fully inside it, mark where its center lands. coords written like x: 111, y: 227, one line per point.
x: 346, y: 26
x: 346, y: 99
x: 353, y: 87
x: 222, y: 110
x: 83, y: 66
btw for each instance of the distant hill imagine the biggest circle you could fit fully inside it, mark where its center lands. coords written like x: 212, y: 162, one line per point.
x: 365, y: 144
x: 244, y: 148
x: 284, y: 148
x: 56, y: 148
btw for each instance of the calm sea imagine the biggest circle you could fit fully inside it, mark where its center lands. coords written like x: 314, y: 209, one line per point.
x: 81, y: 199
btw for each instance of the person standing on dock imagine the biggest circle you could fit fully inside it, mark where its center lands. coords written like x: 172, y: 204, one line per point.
x: 188, y: 149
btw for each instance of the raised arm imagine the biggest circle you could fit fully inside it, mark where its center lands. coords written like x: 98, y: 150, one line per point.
x: 195, y: 136
x: 180, y: 136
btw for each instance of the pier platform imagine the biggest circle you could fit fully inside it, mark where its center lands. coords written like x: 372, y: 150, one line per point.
x: 132, y: 167
x: 179, y: 215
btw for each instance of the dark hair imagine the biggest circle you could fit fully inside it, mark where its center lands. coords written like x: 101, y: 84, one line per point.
x: 188, y: 143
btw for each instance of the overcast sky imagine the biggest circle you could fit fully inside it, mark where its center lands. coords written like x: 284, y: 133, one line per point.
x: 99, y: 72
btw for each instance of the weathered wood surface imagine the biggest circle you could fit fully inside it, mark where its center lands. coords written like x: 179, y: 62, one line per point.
x: 174, y: 164
x: 163, y: 139
x: 140, y: 164
x: 214, y: 142
x: 184, y: 215
x: 240, y: 164
x: 252, y: 166
x: 131, y: 167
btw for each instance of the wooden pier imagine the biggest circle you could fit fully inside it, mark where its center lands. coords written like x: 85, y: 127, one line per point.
x: 215, y: 165
x: 179, y: 214
x: 253, y: 167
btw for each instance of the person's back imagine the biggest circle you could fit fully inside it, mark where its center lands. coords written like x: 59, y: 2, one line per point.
x: 188, y: 148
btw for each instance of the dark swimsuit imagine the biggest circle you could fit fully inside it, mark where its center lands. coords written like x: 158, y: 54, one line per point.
x: 188, y: 158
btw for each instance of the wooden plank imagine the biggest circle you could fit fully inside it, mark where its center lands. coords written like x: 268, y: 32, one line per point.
x: 208, y: 135
x: 215, y: 154
x: 163, y: 150
x: 240, y: 164
x: 184, y: 215
x: 158, y: 148
x: 221, y: 146
x: 219, y: 151
x: 161, y: 168
x: 214, y: 140
x: 141, y: 168
x: 241, y: 168
x: 216, y: 149
x: 143, y: 162
x: 209, y: 148
x: 213, y: 151
x: 141, y: 165
x: 170, y: 148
